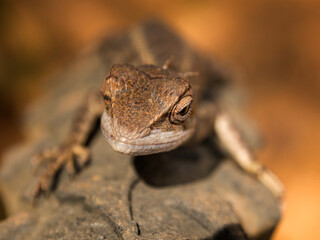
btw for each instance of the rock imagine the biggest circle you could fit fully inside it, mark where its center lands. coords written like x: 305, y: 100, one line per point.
x: 189, y: 193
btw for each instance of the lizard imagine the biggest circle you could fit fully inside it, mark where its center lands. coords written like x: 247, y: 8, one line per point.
x: 162, y: 95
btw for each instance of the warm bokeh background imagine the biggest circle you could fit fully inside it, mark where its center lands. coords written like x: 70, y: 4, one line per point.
x: 275, y: 45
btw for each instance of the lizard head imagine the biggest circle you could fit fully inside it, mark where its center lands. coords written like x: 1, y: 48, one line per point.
x: 147, y: 109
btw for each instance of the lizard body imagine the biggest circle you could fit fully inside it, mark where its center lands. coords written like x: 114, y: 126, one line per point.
x: 149, y: 107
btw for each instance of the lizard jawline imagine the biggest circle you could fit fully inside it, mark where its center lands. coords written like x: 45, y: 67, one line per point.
x: 156, y: 141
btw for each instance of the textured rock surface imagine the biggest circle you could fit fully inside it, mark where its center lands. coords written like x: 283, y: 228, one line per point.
x: 189, y: 193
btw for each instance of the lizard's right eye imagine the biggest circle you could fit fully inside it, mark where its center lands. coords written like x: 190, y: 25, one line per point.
x: 106, y: 98
x: 107, y: 101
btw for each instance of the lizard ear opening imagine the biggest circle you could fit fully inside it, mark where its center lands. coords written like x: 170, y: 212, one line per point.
x: 181, y: 111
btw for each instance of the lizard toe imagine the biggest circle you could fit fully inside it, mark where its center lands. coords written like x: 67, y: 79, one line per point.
x: 82, y: 155
x: 41, y: 158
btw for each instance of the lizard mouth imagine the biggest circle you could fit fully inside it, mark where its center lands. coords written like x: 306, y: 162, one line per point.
x: 156, y: 141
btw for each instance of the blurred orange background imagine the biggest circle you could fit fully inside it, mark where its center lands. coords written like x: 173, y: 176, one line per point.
x: 274, y: 45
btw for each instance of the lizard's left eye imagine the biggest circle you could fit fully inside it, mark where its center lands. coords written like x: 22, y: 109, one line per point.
x: 181, y: 111
x: 185, y: 110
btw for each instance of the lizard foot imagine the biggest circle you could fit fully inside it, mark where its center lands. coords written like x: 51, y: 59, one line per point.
x: 71, y: 156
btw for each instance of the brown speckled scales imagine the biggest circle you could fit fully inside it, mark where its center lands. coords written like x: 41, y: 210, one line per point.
x: 158, y: 95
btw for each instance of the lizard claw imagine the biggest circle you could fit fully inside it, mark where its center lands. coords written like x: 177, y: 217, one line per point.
x: 39, y: 159
x: 71, y: 156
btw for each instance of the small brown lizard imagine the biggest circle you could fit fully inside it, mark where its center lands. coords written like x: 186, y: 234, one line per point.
x: 149, y: 108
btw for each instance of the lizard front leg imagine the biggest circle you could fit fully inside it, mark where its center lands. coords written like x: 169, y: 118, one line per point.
x: 72, y: 154
x: 231, y: 141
